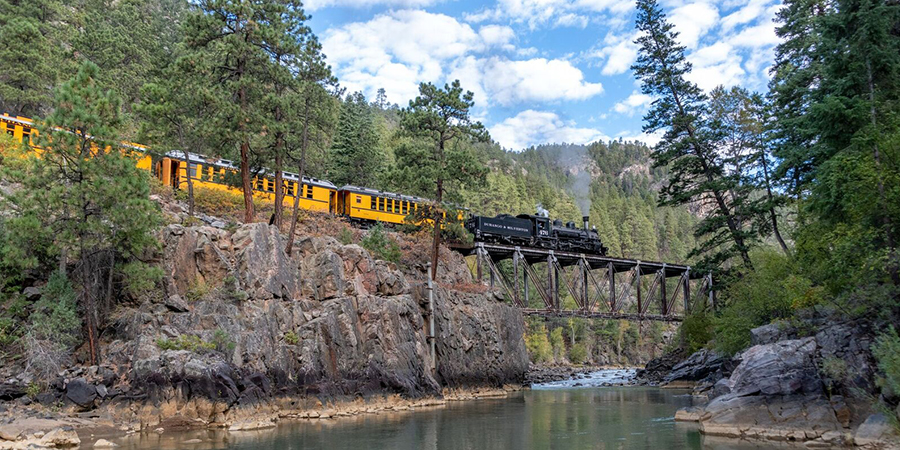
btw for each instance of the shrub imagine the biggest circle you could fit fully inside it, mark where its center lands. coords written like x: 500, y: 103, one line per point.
x: 696, y: 332
x: 537, y: 343
x: 558, y: 344
x: 53, y: 328
x: 222, y: 341
x: 140, y: 277
x: 198, y: 289
x: 578, y: 353
x: 381, y: 245
x: 187, y: 342
x: 346, y: 236
x: 291, y: 338
x: 33, y: 389
x: 887, y: 354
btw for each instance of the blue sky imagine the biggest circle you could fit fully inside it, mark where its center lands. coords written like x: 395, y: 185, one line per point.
x: 542, y: 71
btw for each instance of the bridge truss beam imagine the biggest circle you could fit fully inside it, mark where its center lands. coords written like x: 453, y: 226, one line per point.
x: 601, y: 286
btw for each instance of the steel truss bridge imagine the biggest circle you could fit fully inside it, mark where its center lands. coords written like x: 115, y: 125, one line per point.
x: 602, y: 286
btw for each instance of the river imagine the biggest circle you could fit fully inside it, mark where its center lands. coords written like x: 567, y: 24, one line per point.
x: 575, y: 414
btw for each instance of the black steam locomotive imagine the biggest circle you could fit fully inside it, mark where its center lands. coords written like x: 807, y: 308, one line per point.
x: 536, y: 231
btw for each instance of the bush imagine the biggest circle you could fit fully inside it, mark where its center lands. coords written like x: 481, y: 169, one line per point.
x: 187, y: 342
x: 558, y: 344
x: 887, y: 354
x: 381, y: 245
x: 222, y: 342
x: 140, y: 277
x: 53, y: 329
x: 537, y: 343
x: 197, y: 291
x: 291, y: 338
x: 772, y: 291
x: 578, y: 354
x: 696, y: 332
x: 346, y: 236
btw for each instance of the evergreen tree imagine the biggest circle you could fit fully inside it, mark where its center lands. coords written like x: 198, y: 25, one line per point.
x: 356, y: 156
x: 441, y: 118
x: 29, y: 55
x: 236, y: 38
x: 689, y: 145
x: 84, y: 197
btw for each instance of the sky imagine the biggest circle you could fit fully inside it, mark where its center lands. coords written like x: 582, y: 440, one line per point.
x: 542, y: 71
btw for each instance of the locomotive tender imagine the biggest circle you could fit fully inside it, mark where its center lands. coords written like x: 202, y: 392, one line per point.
x: 536, y: 231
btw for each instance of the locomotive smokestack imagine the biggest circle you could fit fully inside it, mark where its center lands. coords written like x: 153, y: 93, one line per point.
x: 586, y: 220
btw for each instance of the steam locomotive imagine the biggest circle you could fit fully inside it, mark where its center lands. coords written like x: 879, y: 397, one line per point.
x: 536, y: 231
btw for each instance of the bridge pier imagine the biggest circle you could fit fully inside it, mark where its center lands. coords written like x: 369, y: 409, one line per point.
x: 575, y: 273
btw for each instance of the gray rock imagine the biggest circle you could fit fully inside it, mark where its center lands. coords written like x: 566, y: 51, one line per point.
x: 697, y: 367
x: 176, y: 303
x: 101, y: 391
x: 783, y: 368
x: 81, y: 392
x: 771, y: 333
x: 874, y: 431
x: 32, y: 293
x: 218, y: 224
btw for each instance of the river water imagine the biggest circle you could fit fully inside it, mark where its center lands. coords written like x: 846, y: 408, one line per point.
x: 575, y: 414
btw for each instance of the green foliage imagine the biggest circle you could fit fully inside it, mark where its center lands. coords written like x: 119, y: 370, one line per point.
x: 140, y: 277
x: 198, y: 290
x: 578, y: 353
x: 558, y: 344
x: 696, y: 332
x: 33, y: 389
x: 54, y: 318
x: 30, y: 67
x: 887, y: 354
x: 536, y: 342
x: 346, y: 236
x: 770, y: 292
x: 222, y: 341
x: 381, y: 245
x: 189, y: 342
x: 291, y: 338
x: 356, y: 155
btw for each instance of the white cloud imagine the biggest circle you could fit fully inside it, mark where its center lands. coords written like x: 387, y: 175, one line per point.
x: 312, y: 5
x: 508, y: 82
x: 437, y: 48
x: 532, y: 127
x: 692, y: 21
x: 556, y: 12
x: 717, y: 64
x: 619, y: 52
x: 636, y: 102
x: 753, y: 10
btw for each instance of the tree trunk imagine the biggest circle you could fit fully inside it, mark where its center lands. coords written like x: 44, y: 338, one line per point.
x: 437, y: 213
x: 885, y: 219
x: 772, y: 215
x: 245, y: 161
x: 190, y: 181
x: 279, y: 191
x: 304, y: 143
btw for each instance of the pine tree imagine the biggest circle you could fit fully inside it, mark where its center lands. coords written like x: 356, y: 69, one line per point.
x: 356, y: 156
x: 689, y: 145
x: 441, y: 118
x: 29, y: 57
x: 84, y: 196
x: 236, y: 39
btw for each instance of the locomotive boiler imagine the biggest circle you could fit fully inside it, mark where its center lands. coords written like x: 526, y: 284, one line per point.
x: 536, y: 231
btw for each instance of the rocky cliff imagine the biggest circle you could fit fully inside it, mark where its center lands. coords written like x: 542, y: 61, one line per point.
x: 238, y: 326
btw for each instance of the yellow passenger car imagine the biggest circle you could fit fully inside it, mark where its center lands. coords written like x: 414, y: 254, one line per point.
x: 210, y: 173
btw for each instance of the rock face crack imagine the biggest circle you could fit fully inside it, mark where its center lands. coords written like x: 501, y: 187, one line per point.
x: 330, y: 321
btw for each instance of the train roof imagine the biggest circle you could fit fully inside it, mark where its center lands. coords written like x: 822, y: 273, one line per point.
x: 377, y: 193
x: 196, y: 158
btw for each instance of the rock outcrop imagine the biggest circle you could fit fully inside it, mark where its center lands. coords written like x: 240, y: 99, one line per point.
x: 241, y: 330
x: 779, y: 392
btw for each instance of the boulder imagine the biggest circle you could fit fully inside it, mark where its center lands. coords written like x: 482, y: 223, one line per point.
x: 103, y: 443
x: 697, y: 367
x: 771, y: 333
x: 61, y: 437
x: 176, y: 303
x: 81, y: 392
x: 875, y: 432
x: 782, y: 368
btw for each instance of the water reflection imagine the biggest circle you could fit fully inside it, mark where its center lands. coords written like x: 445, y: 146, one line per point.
x: 585, y: 418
